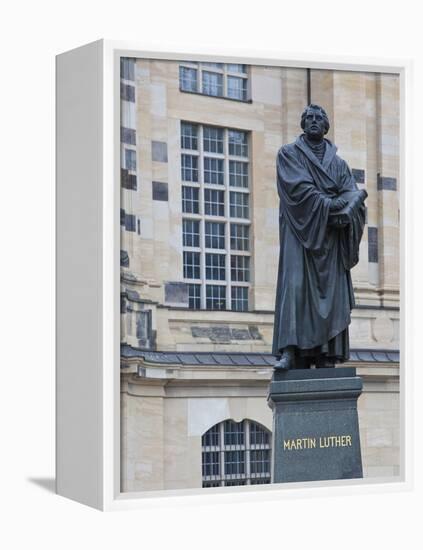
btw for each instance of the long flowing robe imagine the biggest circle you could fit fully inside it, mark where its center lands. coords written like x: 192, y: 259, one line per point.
x: 314, y: 296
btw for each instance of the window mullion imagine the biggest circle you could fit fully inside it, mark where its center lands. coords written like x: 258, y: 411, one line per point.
x: 227, y: 212
x: 247, y: 452
x: 222, y: 452
x: 202, y: 224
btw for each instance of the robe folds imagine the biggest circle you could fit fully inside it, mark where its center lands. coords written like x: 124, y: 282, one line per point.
x: 314, y: 295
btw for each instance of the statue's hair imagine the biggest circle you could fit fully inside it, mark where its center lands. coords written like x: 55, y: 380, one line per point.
x: 317, y: 108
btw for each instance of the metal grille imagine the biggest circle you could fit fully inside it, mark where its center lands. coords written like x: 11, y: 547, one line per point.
x: 236, y: 453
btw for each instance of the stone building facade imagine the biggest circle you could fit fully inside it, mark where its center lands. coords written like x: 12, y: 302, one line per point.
x: 199, y: 255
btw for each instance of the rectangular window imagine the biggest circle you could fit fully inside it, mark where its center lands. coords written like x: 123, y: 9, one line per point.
x: 238, y: 205
x: 239, y: 298
x: 127, y: 92
x: 127, y: 68
x: 212, y: 83
x: 194, y: 296
x: 191, y: 233
x: 240, y: 268
x: 128, y: 135
x: 238, y: 173
x: 189, y: 167
x: 215, y: 297
x: 214, y: 235
x: 238, y: 143
x: 191, y: 265
x: 216, y: 161
x: 189, y: 136
x: 237, y: 87
x: 129, y: 222
x: 213, y: 139
x: 223, y: 80
x: 190, y: 202
x: 240, y: 239
x: 214, y: 202
x: 213, y: 170
x: 215, y: 267
x: 131, y: 160
x: 188, y: 79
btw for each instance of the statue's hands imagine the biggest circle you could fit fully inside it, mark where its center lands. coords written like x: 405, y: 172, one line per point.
x: 337, y: 203
x: 339, y: 224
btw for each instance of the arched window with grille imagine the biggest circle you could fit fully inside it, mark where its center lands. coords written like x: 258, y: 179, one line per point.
x: 236, y: 453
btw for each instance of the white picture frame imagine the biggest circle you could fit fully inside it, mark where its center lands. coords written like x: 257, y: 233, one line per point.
x: 88, y: 276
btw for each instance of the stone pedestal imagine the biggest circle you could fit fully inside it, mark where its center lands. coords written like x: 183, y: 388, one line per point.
x: 315, y: 424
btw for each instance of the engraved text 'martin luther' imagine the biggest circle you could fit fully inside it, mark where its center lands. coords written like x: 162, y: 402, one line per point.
x: 324, y: 442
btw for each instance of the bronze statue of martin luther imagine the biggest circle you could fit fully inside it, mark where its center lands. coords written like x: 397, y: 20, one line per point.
x: 321, y: 222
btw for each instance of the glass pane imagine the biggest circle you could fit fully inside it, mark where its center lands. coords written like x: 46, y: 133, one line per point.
x: 260, y: 461
x: 258, y: 435
x: 214, y: 202
x: 213, y: 170
x: 189, y: 134
x: 213, y: 139
x: 215, y: 297
x: 190, y: 202
x: 211, y: 437
x: 188, y: 79
x: 238, y: 143
x: 215, y: 235
x: 215, y: 267
x: 191, y: 233
x: 127, y: 68
x: 240, y: 237
x: 240, y: 268
x: 237, y: 87
x: 234, y: 432
x: 189, y: 168
x: 210, y: 464
x: 212, y: 84
x: 234, y: 462
x: 191, y: 265
x: 213, y: 65
x: 131, y: 160
x: 194, y: 296
x: 239, y: 205
x: 235, y: 68
x: 238, y: 173
x: 239, y: 298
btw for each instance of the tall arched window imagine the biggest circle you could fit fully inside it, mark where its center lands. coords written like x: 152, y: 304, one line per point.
x: 236, y: 453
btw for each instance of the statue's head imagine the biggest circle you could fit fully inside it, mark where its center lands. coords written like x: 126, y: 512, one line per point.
x: 315, y: 122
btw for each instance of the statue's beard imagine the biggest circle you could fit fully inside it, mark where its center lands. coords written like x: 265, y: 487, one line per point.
x: 315, y: 137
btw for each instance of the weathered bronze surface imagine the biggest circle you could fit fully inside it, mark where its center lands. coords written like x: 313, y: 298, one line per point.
x: 321, y: 222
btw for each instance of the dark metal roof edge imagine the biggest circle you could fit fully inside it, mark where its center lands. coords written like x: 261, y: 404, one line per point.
x: 237, y: 358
